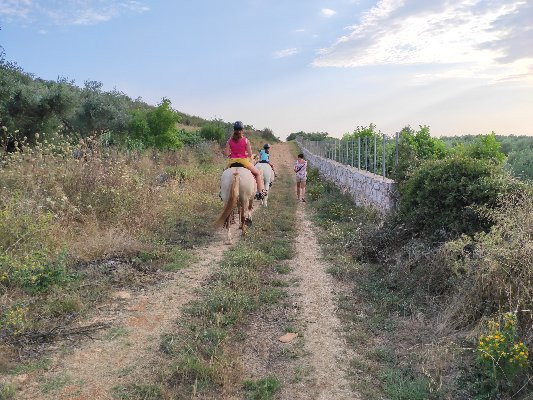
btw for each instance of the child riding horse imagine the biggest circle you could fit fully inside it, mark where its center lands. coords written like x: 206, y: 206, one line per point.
x: 239, y: 150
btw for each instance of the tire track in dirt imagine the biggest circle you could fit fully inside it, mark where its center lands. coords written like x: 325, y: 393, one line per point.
x: 325, y: 349
x: 92, y: 369
x: 311, y: 366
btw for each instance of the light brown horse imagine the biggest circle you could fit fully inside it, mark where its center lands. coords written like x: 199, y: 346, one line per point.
x: 237, y: 188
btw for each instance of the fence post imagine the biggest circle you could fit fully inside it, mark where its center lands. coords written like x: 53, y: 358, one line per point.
x: 359, y: 152
x: 375, y: 153
x: 366, y: 153
x: 383, y: 166
x: 352, y: 152
x: 396, y: 155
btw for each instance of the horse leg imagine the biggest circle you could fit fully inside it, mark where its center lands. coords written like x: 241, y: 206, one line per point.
x: 242, y: 216
x: 227, y: 226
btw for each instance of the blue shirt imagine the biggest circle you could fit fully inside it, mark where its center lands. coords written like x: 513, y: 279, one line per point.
x: 264, y: 156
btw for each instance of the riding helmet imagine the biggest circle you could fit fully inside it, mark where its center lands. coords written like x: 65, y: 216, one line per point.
x: 238, y: 126
x: 266, y: 146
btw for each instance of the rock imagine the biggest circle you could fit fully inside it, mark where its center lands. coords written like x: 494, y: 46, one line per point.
x: 163, y: 178
x: 122, y: 295
x: 288, y: 337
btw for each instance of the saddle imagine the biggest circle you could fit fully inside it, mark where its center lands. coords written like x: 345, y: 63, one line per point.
x: 263, y: 162
x: 236, y: 165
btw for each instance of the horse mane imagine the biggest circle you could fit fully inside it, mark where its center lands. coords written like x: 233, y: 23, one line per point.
x: 232, y: 200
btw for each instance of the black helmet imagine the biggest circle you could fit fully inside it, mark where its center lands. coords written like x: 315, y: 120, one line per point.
x: 238, y: 126
x: 266, y: 146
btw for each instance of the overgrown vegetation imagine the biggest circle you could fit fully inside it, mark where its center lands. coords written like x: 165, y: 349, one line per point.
x: 76, y: 221
x: 419, y: 306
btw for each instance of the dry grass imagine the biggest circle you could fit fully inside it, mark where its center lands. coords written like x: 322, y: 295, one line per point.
x: 63, y: 206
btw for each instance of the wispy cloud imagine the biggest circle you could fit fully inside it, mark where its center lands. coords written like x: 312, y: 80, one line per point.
x: 15, y: 8
x: 475, y: 38
x: 328, y: 12
x: 68, y: 12
x: 286, y: 52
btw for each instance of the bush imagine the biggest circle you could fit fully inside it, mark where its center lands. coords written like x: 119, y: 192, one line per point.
x: 484, y: 147
x: 520, y: 162
x: 414, y: 147
x: 213, y: 131
x: 442, y: 195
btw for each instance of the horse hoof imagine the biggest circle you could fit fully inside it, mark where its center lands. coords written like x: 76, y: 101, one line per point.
x: 248, y: 222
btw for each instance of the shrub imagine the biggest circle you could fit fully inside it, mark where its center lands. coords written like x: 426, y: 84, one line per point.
x: 441, y: 195
x: 484, y: 147
x: 214, y: 132
x: 414, y: 147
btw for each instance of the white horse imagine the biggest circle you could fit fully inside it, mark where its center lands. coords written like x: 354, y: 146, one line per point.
x: 268, y: 179
x: 237, y: 188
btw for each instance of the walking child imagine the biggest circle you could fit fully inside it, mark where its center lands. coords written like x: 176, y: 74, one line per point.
x: 300, y: 167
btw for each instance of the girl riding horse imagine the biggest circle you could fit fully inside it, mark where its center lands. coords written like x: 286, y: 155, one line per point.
x: 239, y: 150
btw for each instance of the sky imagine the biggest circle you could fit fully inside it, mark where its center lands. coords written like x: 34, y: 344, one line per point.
x: 463, y: 66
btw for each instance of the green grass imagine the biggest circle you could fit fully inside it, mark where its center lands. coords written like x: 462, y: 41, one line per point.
x: 55, y: 383
x: 7, y: 391
x: 262, y: 389
x: 116, y: 332
x: 283, y: 269
x: 179, y: 259
x: 401, y: 384
x: 137, y: 392
x: 42, y: 364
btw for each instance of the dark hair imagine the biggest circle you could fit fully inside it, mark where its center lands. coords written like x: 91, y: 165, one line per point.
x: 237, y: 135
x: 301, y: 156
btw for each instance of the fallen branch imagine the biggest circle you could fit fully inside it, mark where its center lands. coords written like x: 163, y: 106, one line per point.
x: 60, y: 332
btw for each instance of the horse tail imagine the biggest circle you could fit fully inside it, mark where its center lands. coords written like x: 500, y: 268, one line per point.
x: 232, y: 200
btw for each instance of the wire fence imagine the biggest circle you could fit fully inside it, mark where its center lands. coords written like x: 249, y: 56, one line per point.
x: 377, y: 154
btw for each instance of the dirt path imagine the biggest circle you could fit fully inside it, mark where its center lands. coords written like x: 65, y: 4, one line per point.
x: 310, y: 366
x: 326, y: 350
x: 129, y: 348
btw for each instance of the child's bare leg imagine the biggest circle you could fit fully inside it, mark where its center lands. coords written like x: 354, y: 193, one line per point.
x: 298, y: 190
x: 302, y: 190
x: 259, y: 178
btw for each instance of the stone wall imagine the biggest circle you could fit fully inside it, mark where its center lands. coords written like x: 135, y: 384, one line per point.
x: 366, y: 188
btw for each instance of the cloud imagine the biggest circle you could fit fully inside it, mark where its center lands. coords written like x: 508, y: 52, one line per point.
x: 285, y: 52
x: 19, y: 9
x: 478, y: 38
x: 328, y: 12
x: 68, y: 12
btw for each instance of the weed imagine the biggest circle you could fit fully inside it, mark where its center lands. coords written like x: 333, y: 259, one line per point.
x: 283, y: 269
x: 137, y: 392
x: 116, y: 332
x: 403, y: 384
x: 180, y: 259
x: 55, y: 383
x: 262, y: 389
x: 39, y: 365
x: 7, y: 391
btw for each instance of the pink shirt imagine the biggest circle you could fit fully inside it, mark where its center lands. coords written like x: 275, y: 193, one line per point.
x: 238, y: 149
